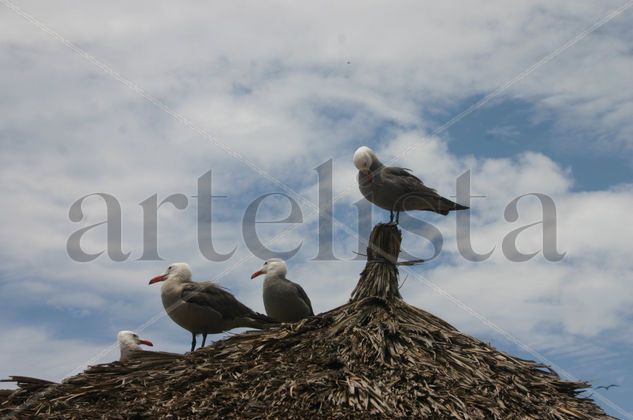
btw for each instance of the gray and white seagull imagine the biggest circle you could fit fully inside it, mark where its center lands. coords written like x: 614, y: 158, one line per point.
x: 129, y: 344
x: 204, y: 307
x: 396, y: 189
x: 284, y: 300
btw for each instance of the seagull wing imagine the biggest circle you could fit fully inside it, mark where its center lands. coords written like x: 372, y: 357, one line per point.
x: 304, y: 297
x: 409, y: 185
x: 410, y: 182
x: 211, y: 296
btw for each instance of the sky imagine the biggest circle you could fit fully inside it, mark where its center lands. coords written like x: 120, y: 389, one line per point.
x: 140, y: 100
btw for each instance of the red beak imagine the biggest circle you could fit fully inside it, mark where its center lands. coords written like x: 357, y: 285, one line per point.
x: 370, y: 177
x: 156, y: 279
x: 146, y: 342
x: 256, y: 273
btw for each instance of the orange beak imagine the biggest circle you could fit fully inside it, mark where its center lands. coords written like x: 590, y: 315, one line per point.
x: 146, y: 342
x: 256, y: 273
x: 156, y: 279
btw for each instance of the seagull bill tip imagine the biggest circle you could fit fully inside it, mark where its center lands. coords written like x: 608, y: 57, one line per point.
x: 158, y: 278
x: 146, y: 342
x: 256, y: 274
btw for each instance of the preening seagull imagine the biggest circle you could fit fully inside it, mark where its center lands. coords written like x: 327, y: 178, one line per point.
x: 284, y: 300
x: 129, y: 343
x: 203, y: 307
x: 396, y: 189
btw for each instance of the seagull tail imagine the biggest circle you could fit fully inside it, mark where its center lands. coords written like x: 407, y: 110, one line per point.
x: 444, y: 206
x: 261, y: 321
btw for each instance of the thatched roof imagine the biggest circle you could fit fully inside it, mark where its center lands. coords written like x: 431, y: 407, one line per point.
x: 375, y: 355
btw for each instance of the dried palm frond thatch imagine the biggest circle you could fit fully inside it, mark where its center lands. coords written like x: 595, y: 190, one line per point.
x: 375, y: 355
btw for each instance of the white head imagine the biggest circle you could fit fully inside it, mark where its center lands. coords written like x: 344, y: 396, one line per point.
x: 176, y: 272
x: 363, y: 158
x: 128, y: 342
x: 274, y: 267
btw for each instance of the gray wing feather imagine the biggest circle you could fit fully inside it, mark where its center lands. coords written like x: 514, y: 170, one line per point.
x: 304, y: 296
x: 207, y: 294
x: 406, y: 179
x: 411, y: 185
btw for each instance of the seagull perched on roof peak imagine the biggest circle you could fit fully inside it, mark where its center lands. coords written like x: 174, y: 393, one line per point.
x: 396, y: 189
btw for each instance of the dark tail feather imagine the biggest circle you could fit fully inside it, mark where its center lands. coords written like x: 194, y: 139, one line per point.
x: 261, y: 321
x: 445, y: 206
x: 434, y: 203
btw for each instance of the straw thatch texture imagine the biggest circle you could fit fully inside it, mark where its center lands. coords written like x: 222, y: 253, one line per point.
x: 375, y: 355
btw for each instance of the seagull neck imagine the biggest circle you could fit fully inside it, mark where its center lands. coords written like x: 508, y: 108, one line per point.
x: 274, y: 277
x: 376, y: 165
x: 127, y: 348
x: 178, y: 279
x: 173, y: 285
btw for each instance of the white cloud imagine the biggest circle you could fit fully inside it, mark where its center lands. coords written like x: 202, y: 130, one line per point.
x: 274, y: 84
x: 31, y: 351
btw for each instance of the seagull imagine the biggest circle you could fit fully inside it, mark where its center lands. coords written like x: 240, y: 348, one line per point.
x: 204, y: 307
x: 284, y: 300
x: 396, y: 189
x: 129, y: 343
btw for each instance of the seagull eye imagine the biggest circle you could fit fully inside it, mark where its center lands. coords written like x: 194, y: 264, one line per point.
x: 266, y: 263
x: 169, y: 268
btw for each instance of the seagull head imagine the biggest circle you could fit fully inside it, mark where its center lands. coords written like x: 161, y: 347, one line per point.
x: 179, y: 272
x: 272, y: 267
x: 363, y: 158
x: 129, y: 340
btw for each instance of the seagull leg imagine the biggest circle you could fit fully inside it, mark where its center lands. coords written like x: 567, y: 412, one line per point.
x: 193, y: 341
x: 391, y: 220
x: 204, y: 339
